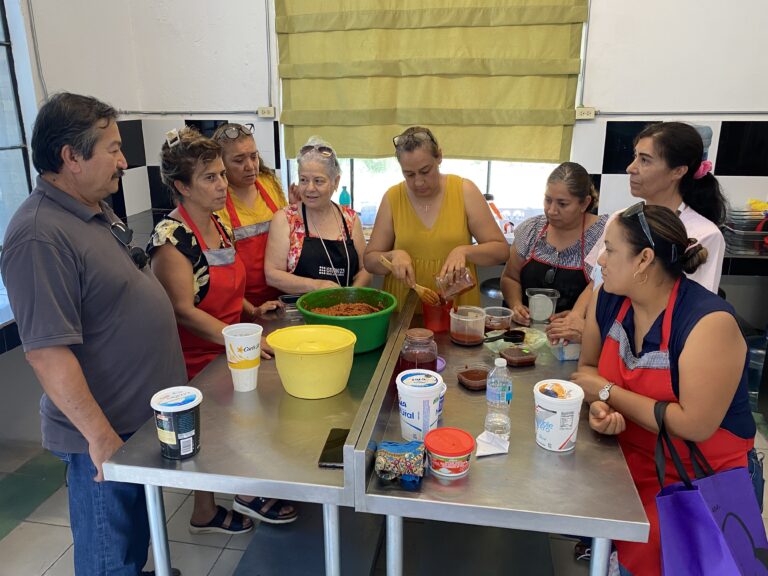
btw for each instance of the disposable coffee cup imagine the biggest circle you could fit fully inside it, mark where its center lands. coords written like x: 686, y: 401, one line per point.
x: 557, y: 419
x: 243, y: 346
x: 177, y: 419
x: 419, y: 394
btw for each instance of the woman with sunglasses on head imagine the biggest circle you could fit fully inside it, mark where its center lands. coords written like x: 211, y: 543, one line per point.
x: 425, y: 224
x: 254, y: 195
x: 652, y: 334
x: 669, y: 170
x: 549, y: 250
x: 193, y: 256
x: 316, y: 243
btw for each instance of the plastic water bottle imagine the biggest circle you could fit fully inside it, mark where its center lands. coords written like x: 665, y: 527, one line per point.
x: 344, y: 198
x: 498, y: 394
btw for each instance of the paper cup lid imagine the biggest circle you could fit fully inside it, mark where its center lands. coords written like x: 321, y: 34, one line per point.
x: 419, y: 378
x: 176, y: 399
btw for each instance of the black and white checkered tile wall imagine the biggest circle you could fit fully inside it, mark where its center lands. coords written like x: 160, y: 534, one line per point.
x: 141, y: 188
x: 738, y: 150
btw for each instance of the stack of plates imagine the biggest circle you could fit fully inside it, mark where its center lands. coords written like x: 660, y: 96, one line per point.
x: 741, y: 233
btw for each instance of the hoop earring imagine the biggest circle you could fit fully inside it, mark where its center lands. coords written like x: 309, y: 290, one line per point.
x: 643, y: 281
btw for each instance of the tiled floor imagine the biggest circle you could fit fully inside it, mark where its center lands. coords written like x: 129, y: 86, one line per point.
x: 41, y: 543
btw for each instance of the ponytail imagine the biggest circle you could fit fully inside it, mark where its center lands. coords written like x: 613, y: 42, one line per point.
x: 704, y: 195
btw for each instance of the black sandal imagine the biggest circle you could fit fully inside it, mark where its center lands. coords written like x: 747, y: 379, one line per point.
x: 237, y: 525
x: 271, y: 515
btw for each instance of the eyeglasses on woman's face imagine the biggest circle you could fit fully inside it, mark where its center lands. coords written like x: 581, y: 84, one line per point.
x: 234, y: 131
x: 421, y: 136
x: 637, y: 210
x: 124, y: 235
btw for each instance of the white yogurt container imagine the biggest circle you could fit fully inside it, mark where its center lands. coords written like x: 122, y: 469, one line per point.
x: 557, y: 419
x: 419, y: 396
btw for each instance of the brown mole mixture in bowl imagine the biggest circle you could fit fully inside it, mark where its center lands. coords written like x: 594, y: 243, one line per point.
x: 347, y: 309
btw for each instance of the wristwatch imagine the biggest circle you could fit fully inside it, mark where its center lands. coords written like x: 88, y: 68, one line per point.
x: 605, y: 392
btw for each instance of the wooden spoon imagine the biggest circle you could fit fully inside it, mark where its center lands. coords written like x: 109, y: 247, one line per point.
x: 426, y: 294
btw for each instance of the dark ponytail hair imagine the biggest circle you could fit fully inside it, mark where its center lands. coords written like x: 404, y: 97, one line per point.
x: 679, y: 144
x: 675, y: 252
x: 577, y: 181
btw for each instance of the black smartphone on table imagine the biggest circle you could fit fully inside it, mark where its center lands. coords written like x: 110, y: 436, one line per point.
x: 332, y: 455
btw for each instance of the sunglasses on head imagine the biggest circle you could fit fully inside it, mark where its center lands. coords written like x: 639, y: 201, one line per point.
x: 124, y: 235
x: 637, y: 210
x: 322, y: 150
x: 421, y: 136
x: 236, y: 130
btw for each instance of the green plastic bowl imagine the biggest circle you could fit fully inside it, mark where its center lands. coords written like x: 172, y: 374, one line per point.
x: 371, y: 329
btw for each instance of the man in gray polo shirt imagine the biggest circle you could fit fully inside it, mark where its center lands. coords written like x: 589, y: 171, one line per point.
x: 95, y: 324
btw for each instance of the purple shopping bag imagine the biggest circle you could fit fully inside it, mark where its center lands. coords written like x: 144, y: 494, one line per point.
x: 710, y: 525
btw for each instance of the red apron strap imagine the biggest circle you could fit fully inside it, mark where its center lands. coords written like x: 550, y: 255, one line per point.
x: 266, y: 197
x: 535, y: 242
x: 196, y: 230
x: 233, y: 217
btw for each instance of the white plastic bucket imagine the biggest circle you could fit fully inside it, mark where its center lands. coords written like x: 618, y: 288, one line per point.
x: 419, y: 394
x: 557, y: 419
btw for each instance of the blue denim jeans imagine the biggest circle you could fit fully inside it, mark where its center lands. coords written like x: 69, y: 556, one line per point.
x: 108, y: 520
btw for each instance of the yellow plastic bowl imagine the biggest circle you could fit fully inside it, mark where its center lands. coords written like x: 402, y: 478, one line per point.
x: 313, y: 361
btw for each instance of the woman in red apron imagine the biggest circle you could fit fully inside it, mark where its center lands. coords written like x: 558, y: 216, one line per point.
x: 253, y: 196
x: 316, y: 244
x: 654, y: 335
x: 548, y: 250
x: 195, y: 260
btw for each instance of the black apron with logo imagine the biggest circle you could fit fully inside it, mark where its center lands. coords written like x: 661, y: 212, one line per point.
x: 569, y: 281
x: 316, y: 253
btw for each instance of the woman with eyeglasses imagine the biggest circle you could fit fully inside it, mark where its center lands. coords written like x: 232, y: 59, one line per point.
x: 193, y: 257
x: 254, y: 195
x: 652, y: 334
x: 316, y: 243
x: 425, y: 224
x: 669, y: 169
x: 549, y: 250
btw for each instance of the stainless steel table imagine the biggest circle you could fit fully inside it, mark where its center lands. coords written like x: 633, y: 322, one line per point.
x: 264, y: 442
x: 587, y: 491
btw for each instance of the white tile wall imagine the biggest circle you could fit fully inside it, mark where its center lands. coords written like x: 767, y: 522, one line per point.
x: 136, y: 190
x: 614, y: 193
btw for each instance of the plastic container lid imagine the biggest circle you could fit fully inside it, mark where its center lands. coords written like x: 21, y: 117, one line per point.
x: 419, y: 378
x: 419, y: 334
x: 449, y: 442
x: 176, y: 399
x: 499, y: 362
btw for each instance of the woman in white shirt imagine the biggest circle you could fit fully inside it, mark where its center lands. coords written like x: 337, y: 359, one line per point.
x: 667, y: 170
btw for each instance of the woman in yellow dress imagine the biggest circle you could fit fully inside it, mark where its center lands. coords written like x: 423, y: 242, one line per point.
x: 425, y: 224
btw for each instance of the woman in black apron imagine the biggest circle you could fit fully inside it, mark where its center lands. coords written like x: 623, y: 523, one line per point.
x: 549, y: 250
x: 315, y: 244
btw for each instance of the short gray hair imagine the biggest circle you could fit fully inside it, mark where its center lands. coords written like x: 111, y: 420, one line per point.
x: 313, y: 154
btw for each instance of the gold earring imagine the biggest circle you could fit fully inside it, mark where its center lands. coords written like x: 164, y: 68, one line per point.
x: 643, y: 281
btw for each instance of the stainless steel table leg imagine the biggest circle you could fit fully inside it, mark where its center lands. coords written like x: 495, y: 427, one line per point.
x: 394, y: 546
x: 156, y: 513
x: 601, y: 553
x: 331, y: 537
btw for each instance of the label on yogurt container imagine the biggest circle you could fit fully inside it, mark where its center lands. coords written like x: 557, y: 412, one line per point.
x: 420, y: 378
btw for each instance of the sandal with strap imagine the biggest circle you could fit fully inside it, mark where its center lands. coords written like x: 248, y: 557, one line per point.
x: 237, y: 524
x: 265, y: 509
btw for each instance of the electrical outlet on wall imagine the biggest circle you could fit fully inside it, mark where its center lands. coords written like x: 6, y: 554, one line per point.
x: 266, y: 111
x: 585, y: 113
